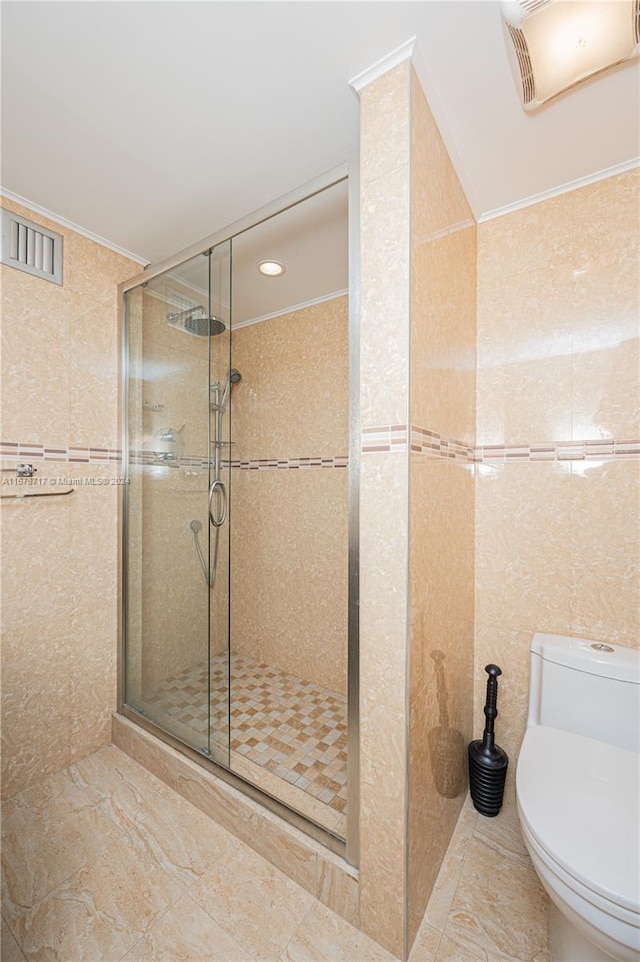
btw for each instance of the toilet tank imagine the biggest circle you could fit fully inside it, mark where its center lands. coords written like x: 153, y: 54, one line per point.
x: 586, y: 687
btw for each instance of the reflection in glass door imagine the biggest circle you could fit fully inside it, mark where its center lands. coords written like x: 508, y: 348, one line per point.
x: 177, y: 557
x: 290, y: 530
x: 237, y: 512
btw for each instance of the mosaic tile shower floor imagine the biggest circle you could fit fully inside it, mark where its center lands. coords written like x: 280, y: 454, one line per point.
x: 292, y: 728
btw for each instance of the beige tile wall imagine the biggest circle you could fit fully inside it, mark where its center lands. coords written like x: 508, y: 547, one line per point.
x: 59, y: 600
x: 293, y: 399
x: 289, y: 571
x: 558, y: 358
x: 290, y: 527
x: 441, y: 504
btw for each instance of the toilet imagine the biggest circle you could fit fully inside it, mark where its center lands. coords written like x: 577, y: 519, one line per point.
x: 578, y: 795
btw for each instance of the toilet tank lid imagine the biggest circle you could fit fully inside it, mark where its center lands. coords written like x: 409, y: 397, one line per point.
x: 586, y: 654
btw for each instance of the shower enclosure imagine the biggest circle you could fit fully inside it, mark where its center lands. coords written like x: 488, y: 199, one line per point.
x: 238, y: 607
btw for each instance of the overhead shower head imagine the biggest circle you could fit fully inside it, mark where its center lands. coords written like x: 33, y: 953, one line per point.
x: 196, y: 321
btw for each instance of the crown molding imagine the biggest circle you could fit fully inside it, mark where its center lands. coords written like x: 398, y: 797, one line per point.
x: 411, y: 50
x: 63, y: 222
x: 561, y: 189
x: 383, y: 66
x: 288, y: 310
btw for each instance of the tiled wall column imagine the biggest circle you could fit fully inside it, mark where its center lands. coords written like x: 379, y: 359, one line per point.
x: 441, y: 503
x: 418, y: 317
x: 384, y: 377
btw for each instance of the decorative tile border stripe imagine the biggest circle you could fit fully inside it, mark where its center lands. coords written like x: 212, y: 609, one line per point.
x: 384, y: 438
x: 608, y: 449
x: 67, y: 453
x: 433, y: 445
x: 288, y: 464
x: 378, y: 439
x: 252, y: 464
x: 393, y: 437
x: 148, y: 457
x: 85, y: 454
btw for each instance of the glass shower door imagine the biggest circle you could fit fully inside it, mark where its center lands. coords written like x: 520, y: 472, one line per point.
x: 176, y: 537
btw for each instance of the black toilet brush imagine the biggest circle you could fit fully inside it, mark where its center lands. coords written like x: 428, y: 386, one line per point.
x: 487, y: 761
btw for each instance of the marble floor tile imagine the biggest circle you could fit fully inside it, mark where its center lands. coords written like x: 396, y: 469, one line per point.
x: 55, y: 797
x: 104, y: 862
x: 9, y: 948
x: 323, y: 935
x: 98, y: 914
x: 444, y: 889
x: 43, y: 848
x: 499, y: 908
x: 126, y: 789
x: 154, y: 818
x: 254, y: 902
x: 503, y: 832
x: 450, y: 951
x: 426, y: 944
x: 186, y: 934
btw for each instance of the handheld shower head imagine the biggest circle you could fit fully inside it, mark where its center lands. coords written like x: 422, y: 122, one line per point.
x: 232, y: 378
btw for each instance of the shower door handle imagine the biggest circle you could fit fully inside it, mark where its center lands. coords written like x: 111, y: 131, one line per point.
x: 218, y: 488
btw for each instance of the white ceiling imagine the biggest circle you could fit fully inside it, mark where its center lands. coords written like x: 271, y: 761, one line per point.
x: 154, y: 124
x: 311, y: 240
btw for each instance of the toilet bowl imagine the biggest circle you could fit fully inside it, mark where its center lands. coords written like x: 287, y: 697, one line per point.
x: 578, y: 795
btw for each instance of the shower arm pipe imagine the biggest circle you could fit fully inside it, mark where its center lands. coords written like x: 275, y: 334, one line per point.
x: 178, y: 315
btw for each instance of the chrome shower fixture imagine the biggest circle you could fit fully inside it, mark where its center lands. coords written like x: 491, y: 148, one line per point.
x: 196, y: 528
x: 195, y: 320
x: 220, y: 403
x: 232, y: 378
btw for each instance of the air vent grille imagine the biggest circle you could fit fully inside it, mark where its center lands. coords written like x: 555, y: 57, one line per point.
x: 524, y: 62
x: 30, y: 247
x: 530, y: 5
x: 636, y: 20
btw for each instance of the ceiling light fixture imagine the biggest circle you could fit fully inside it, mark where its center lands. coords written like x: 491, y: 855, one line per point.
x: 553, y: 45
x: 271, y: 268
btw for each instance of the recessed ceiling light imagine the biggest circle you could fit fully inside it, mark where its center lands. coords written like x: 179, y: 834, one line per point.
x: 271, y: 268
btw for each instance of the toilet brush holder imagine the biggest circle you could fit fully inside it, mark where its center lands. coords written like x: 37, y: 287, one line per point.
x: 487, y: 761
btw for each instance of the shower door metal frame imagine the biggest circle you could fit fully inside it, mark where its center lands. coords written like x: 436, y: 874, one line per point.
x: 349, y: 849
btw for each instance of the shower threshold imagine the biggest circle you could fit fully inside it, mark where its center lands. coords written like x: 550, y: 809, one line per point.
x: 288, y: 736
